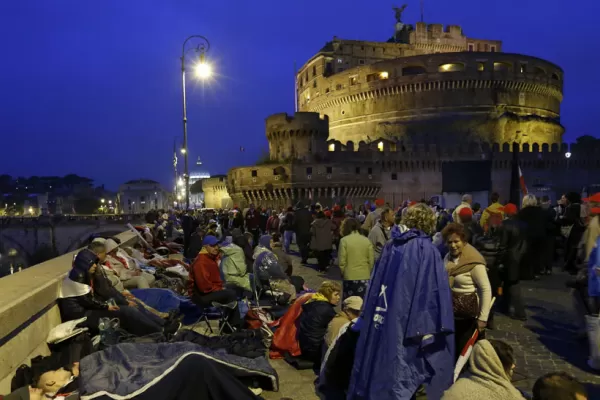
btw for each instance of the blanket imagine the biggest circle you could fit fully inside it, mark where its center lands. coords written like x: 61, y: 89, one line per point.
x: 128, y: 368
x: 248, y: 343
x: 177, y: 371
x: 165, y: 300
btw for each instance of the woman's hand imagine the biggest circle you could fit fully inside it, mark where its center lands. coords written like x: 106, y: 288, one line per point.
x: 75, y: 369
x: 113, y: 308
x: 481, y: 325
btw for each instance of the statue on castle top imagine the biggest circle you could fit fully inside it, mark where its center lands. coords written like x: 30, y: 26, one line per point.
x: 399, y: 11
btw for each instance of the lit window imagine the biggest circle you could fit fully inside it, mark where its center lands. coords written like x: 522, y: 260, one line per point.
x: 480, y: 67
x: 340, y: 60
x: 502, y: 66
x: 384, y: 75
x: 452, y: 67
x: 380, y: 146
x: 353, y: 80
x: 332, y: 147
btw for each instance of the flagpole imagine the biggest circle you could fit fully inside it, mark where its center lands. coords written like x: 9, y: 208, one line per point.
x: 295, y: 88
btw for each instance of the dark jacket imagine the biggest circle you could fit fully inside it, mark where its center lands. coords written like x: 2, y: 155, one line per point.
x: 75, y: 307
x: 321, y: 234
x: 314, y: 320
x: 515, y: 245
x: 473, y: 231
x: 288, y: 223
x: 303, y: 220
x: 104, y: 289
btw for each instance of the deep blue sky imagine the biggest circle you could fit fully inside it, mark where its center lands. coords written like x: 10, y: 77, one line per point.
x: 93, y: 87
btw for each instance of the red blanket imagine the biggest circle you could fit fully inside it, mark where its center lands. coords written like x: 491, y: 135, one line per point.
x: 284, y: 338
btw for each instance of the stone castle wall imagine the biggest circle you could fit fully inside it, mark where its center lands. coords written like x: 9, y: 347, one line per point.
x: 215, y: 192
x: 296, y: 136
x: 442, y: 98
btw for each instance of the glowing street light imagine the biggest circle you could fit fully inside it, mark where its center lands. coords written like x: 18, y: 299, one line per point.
x: 568, y: 154
x: 102, y: 201
x: 180, y: 182
x: 183, y: 151
x: 110, y: 202
x: 203, y: 71
x: 30, y: 210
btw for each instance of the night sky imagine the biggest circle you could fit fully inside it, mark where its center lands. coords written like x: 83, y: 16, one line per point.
x: 94, y: 87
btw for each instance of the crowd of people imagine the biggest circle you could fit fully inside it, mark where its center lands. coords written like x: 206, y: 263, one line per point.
x: 420, y: 286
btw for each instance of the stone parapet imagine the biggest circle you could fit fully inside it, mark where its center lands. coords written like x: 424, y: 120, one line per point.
x: 28, y: 311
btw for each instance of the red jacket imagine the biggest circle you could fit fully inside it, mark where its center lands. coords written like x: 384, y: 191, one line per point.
x: 204, y: 274
x: 285, y: 337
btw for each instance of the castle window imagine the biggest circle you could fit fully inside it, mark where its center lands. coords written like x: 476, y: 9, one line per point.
x: 315, y: 84
x: 523, y: 68
x: 539, y: 72
x: 276, y: 171
x: 394, y: 176
x: 370, y: 171
x: 414, y: 70
x: 329, y: 170
x: 332, y: 147
x: 308, y: 170
x: 361, y: 62
x: 314, y: 70
x: 362, y: 47
x: 221, y: 179
x: 353, y: 80
x: 471, y: 47
x: 306, y: 76
x: 384, y: 75
x: 502, y: 67
x: 326, y: 90
x: 480, y: 67
x: 339, y: 86
x: 486, y: 47
x: 328, y: 68
x: 380, y: 146
x: 493, y: 49
x: 357, y: 170
x: 254, y: 173
x: 555, y: 77
x: 372, y: 77
x: 451, y: 67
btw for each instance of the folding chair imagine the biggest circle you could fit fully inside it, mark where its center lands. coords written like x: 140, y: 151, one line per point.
x: 204, y: 318
x: 224, y: 310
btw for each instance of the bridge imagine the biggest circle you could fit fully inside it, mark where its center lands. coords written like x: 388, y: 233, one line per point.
x: 28, y: 241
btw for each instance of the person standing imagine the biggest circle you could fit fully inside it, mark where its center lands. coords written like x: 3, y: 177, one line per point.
x: 252, y: 219
x: 302, y: 222
x: 471, y: 289
x: 356, y: 259
x: 552, y: 233
x: 381, y: 232
x: 288, y: 227
x: 494, y: 210
x: 373, y: 216
x: 533, y: 222
x: 321, y: 240
x: 467, y: 199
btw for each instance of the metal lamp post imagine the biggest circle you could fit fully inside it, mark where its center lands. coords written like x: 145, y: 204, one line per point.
x: 203, y: 71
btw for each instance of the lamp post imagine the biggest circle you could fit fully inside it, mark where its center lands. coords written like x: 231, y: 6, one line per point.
x: 203, y: 71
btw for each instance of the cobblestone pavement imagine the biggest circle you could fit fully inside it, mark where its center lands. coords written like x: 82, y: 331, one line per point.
x: 546, y: 342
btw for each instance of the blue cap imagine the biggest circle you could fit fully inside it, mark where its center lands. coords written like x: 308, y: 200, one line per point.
x: 85, y: 259
x: 210, y: 240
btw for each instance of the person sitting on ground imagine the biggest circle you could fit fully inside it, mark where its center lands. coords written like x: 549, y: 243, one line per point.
x: 131, y: 277
x: 350, y: 310
x: 205, y: 285
x: 558, y: 386
x: 77, y: 299
x: 316, y: 315
x: 285, y: 260
x: 491, y: 367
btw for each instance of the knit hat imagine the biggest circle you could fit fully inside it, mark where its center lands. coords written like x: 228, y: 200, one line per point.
x: 353, y: 302
x: 593, y: 199
x: 465, y: 212
x: 510, y: 209
x: 379, y: 202
x: 84, y: 260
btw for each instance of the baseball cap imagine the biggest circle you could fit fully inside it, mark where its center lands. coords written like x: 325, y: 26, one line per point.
x: 353, y: 303
x: 210, y: 240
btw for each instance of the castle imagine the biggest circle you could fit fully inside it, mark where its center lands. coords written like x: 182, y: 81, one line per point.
x: 380, y: 119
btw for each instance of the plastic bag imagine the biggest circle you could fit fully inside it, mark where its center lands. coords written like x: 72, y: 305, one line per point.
x: 109, y: 331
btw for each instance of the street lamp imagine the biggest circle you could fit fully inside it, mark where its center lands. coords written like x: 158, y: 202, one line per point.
x: 203, y: 71
x: 102, y: 201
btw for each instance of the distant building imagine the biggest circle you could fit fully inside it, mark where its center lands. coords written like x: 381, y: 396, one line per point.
x: 141, y: 196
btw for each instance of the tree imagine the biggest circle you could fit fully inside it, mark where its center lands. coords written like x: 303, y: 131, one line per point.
x: 86, y: 205
x: 196, y: 187
x: 587, y: 140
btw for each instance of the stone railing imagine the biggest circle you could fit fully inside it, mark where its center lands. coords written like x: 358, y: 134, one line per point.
x: 28, y: 311
x: 65, y: 219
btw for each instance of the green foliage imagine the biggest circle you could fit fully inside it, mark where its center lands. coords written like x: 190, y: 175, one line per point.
x: 86, y: 205
x: 587, y: 140
x: 196, y: 187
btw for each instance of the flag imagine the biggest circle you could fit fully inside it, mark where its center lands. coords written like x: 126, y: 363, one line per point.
x: 522, y: 182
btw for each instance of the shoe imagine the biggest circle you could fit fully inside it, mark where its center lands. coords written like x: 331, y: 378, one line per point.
x: 256, y: 391
x: 171, y: 329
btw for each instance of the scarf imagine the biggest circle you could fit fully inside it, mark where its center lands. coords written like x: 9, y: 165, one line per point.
x: 317, y: 297
x: 468, y: 259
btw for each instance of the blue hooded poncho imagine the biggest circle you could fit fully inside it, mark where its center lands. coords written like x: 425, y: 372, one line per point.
x: 406, y: 336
